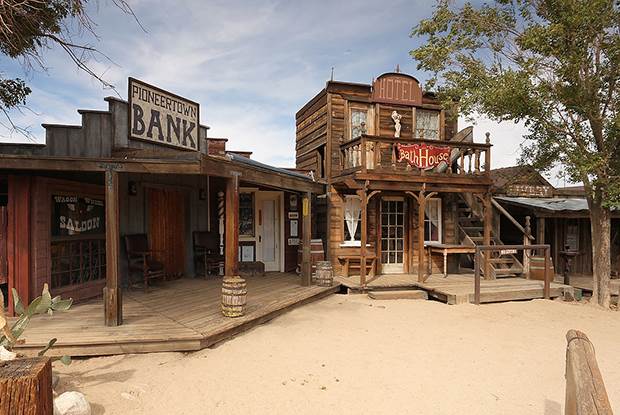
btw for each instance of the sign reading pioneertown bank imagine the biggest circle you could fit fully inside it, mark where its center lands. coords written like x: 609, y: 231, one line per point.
x: 75, y: 215
x: 423, y: 156
x: 162, y: 117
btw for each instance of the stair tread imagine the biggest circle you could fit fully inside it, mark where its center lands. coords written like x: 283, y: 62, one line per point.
x: 398, y: 295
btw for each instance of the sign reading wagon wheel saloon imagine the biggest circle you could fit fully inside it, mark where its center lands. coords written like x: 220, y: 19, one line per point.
x: 162, y: 117
x: 423, y: 156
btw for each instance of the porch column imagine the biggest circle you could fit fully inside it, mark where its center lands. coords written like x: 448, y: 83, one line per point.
x: 488, y: 225
x: 306, y: 260
x: 231, y: 247
x: 112, y: 299
x: 540, y: 231
x: 421, y: 252
x: 18, y: 239
x: 364, y: 235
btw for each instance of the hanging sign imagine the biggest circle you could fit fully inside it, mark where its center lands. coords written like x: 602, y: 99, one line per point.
x: 75, y: 215
x: 423, y: 156
x: 162, y: 117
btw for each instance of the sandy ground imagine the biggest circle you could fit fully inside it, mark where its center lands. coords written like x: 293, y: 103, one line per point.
x: 352, y: 355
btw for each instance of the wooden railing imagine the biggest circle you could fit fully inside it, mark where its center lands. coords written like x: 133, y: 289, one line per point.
x: 375, y: 153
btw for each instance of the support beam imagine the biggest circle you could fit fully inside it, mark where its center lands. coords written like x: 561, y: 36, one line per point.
x: 112, y: 298
x: 364, y: 235
x: 540, y: 230
x: 306, y: 260
x: 18, y: 241
x: 231, y: 250
x: 488, y: 225
x: 421, y: 252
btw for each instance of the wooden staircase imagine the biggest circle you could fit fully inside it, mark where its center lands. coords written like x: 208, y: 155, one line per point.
x: 471, y: 231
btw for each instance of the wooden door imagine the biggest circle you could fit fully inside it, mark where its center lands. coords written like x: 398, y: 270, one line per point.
x: 167, y: 228
x: 269, y: 231
x: 392, y: 235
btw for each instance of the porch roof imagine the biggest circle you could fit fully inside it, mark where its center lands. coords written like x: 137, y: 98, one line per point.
x: 549, y: 204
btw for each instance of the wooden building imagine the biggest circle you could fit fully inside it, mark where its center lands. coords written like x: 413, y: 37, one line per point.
x: 403, y: 182
x: 71, y: 208
x: 559, y: 217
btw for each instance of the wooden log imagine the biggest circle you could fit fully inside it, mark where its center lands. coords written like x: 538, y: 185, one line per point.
x: 585, y: 390
x: 26, y: 387
x: 231, y: 233
x: 112, y: 299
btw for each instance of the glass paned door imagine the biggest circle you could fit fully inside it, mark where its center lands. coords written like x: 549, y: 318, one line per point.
x: 392, y: 235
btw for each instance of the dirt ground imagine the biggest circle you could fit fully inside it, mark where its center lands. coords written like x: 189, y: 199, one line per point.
x: 353, y: 355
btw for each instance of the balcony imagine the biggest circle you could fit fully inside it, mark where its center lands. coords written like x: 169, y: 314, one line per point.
x: 380, y: 155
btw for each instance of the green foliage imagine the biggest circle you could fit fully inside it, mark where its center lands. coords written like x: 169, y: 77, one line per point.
x: 552, y: 64
x: 44, y: 304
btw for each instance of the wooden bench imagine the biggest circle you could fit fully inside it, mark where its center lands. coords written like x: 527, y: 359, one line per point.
x: 348, y: 263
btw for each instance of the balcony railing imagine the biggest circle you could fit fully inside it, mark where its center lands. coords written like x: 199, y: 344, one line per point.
x: 380, y: 154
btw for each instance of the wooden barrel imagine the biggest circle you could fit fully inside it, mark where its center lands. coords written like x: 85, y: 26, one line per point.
x: 316, y: 253
x: 537, y: 268
x: 234, y: 295
x: 324, y: 274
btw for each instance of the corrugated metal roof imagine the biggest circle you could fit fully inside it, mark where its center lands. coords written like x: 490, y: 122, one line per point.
x: 551, y: 204
x: 254, y: 163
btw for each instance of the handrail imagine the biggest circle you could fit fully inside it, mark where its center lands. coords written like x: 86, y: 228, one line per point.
x: 511, y: 218
x: 457, y: 144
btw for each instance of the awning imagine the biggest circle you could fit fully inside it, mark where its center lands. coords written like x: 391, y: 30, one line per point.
x: 549, y: 204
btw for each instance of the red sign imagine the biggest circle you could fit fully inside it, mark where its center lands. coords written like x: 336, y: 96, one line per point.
x: 397, y: 88
x: 423, y: 156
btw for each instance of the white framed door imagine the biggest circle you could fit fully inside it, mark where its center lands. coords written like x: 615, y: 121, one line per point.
x: 392, y: 235
x: 269, y: 230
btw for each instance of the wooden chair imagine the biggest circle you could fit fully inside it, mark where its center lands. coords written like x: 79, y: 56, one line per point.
x: 206, y: 252
x: 140, y: 259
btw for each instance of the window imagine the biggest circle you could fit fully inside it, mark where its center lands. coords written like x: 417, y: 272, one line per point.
x: 352, y: 217
x: 432, y: 220
x: 359, y: 121
x: 427, y: 124
x: 572, y: 236
x: 77, y: 261
x: 246, y: 214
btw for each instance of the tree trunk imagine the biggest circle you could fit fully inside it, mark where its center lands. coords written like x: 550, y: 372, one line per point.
x: 600, y: 220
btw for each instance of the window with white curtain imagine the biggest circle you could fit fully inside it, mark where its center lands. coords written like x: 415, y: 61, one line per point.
x: 432, y: 221
x: 352, y: 217
x: 427, y: 124
x: 359, y: 123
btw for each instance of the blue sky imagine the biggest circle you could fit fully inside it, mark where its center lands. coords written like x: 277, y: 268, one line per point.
x: 250, y: 64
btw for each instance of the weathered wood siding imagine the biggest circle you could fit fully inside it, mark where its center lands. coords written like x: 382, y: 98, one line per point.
x: 311, y: 131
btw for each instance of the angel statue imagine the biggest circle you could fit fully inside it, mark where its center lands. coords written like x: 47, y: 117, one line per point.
x: 396, y: 117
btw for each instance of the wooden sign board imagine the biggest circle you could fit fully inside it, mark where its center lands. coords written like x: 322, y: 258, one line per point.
x: 423, y: 156
x: 161, y: 117
x: 397, y: 88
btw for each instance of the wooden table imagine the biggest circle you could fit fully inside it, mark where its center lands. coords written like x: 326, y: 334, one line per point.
x: 446, y: 249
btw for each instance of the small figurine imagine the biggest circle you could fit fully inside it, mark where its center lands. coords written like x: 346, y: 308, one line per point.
x: 396, y: 117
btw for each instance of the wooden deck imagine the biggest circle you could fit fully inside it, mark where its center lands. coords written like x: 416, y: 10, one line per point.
x: 182, y: 315
x: 459, y: 288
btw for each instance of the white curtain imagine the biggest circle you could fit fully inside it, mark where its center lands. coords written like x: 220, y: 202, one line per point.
x: 352, y: 210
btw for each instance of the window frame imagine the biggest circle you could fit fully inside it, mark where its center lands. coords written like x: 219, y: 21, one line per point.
x: 417, y: 118
x: 439, y: 220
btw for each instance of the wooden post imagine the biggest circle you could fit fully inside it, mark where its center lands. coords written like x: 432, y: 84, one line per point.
x: 306, y: 259
x: 364, y: 235
x: 421, y: 251
x: 488, y: 224
x: 231, y: 248
x: 585, y: 389
x: 112, y: 297
x: 540, y: 231
x: 547, y: 274
x: 477, y: 276
x: 26, y: 387
x: 487, y: 155
x: 527, y: 252
x: 18, y: 241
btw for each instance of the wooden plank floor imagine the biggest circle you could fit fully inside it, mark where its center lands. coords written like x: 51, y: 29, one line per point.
x: 459, y: 288
x: 181, y: 315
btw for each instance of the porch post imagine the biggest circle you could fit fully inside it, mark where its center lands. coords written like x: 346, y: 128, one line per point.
x: 364, y: 236
x: 421, y: 252
x: 112, y: 298
x: 306, y: 260
x: 540, y: 231
x: 231, y: 247
x: 488, y: 225
x: 18, y: 239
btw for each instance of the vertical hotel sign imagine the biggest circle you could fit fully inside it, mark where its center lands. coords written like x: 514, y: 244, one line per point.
x: 161, y: 117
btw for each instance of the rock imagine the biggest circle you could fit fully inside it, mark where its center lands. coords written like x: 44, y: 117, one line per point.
x: 71, y: 403
x: 55, y: 380
x: 6, y: 355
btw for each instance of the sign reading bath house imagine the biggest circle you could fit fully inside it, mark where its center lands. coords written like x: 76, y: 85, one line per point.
x: 162, y: 117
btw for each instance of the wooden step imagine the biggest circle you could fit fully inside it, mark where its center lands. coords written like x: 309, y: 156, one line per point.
x: 502, y: 260
x: 473, y: 228
x: 398, y: 295
x: 508, y: 271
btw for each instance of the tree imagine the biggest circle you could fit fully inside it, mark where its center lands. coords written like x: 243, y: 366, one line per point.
x: 553, y: 65
x: 29, y: 26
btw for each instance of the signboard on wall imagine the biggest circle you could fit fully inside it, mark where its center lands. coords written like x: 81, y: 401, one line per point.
x: 162, y: 117
x: 397, y: 88
x: 423, y: 156
x: 75, y: 215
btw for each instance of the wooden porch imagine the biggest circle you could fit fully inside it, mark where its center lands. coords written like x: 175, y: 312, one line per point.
x: 181, y: 315
x: 458, y: 288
